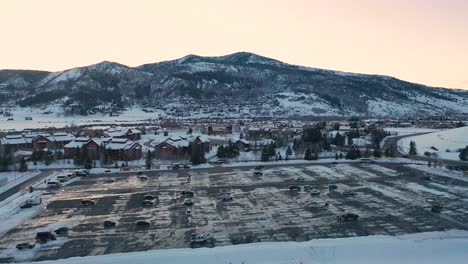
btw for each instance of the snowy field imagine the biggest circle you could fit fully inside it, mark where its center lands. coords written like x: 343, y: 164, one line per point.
x: 445, y: 144
x: 391, y: 199
x: 427, y: 248
x: 41, y: 120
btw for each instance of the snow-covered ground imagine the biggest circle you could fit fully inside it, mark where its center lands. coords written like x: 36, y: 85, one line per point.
x: 41, y: 120
x: 445, y: 144
x: 428, y: 248
x: 9, y: 180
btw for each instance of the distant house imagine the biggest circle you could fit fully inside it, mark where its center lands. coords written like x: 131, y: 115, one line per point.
x: 123, y: 149
x: 92, y: 145
x: 173, y: 149
x: 36, y: 141
x: 41, y: 142
x: 122, y: 132
x: 203, y: 141
x: 219, y: 130
x: 242, y: 144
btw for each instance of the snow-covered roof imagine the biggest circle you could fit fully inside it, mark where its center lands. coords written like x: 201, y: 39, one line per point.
x: 121, y: 131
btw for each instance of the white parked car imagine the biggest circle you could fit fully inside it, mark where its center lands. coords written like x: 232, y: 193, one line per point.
x: 62, y: 178
x: 53, y: 184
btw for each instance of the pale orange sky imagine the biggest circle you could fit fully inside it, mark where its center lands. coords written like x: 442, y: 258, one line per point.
x: 424, y: 41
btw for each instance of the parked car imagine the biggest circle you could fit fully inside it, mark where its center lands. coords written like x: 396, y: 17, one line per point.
x: 198, y: 238
x: 81, y: 173
x: 147, y: 203
x: 109, y: 180
x: 107, y: 171
x: 53, y: 184
x: 314, y: 193
x: 348, y: 217
x: 109, y: 223
x: 31, y: 202
x: 226, y: 197
x: 25, y: 245
x: 188, y: 201
x: 301, y: 179
x: 149, y: 197
x: 349, y: 194
x: 61, y: 231
x: 140, y: 173
x: 87, y: 202
x: 157, y: 167
x: 188, y: 193
x: 186, y: 166
x: 257, y: 173
x: 169, y: 167
x: 142, y: 223
x: 45, y: 236
x: 62, y: 178
x: 260, y: 167
x: 142, y: 177
x: 332, y: 187
x: 436, y: 208
x: 294, y: 188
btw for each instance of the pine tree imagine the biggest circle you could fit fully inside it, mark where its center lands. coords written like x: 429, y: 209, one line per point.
x: 197, y: 155
x: 377, y: 152
x: 265, y: 155
x: 308, y: 154
x: 412, y: 150
x: 464, y: 154
x: 220, y: 153
x: 23, y: 165
x: 288, y: 151
x: 149, y: 159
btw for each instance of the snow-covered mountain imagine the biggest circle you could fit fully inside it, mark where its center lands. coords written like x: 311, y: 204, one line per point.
x: 244, y: 83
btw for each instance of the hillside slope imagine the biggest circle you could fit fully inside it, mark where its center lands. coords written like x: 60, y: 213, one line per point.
x: 240, y: 83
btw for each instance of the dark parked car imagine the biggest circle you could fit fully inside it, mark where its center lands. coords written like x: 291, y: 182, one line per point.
x: 149, y: 197
x: 45, y: 236
x: 314, y: 193
x: 147, y: 203
x: 109, y: 223
x: 260, y: 167
x: 348, y: 217
x: 257, y: 173
x: 26, y: 245
x: 332, y: 187
x: 436, y: 208
x: 188, y: 193
x: 294, y: 188
x: 188, y: 202
x: 142, y: 223
x: 87, y: 202
x: 61, y: 231
x: 186, y: 166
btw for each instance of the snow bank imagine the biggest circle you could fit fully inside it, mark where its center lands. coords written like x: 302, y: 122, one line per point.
x: 428, y: 248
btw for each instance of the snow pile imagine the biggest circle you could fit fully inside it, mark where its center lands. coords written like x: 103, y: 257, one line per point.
x: 428, y: 248
x: 444, y: 144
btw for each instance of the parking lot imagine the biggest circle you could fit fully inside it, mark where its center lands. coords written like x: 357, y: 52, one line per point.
x: 390, y: 199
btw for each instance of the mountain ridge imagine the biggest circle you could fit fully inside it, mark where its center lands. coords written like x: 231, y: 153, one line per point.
x: 234, y: 79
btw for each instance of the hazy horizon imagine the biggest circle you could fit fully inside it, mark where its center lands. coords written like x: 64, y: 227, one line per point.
x: 421, y: 41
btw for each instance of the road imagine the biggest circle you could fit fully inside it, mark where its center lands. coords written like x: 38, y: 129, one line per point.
x: 25, y: 185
